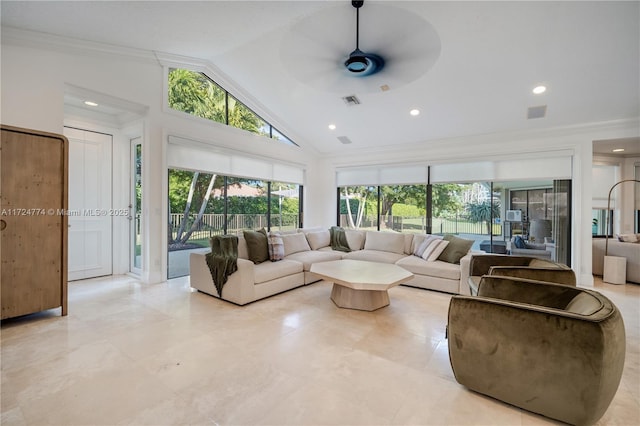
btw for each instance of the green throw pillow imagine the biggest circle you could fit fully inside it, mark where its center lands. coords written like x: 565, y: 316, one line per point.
x: 456, y: 249
x: 257, y: 246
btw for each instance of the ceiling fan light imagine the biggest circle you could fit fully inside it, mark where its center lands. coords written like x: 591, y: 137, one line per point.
x: 357, y: 62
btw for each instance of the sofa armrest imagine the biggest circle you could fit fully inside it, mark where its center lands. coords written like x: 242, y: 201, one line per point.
x: 465, y: 265
x: 239, y: 288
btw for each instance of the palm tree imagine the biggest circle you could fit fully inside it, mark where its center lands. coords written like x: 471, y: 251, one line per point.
x: 483, y: 211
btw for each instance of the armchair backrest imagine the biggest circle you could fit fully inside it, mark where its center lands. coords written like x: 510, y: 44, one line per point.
x: 548, y: 274
x: 480, y: 264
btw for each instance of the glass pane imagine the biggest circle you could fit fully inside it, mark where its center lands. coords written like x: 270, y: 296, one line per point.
x: 192, y: 92
x: 275, y: 134
x: 536, y: 207
x: 136, y: 207
x: 359, y: 207
x: 599, y: 222
x: 243, y: 118
x: 448, y: 207
x: 191, y: 223
x: 403, y: 208
x: 468, y: 210
x: 246, y: 205
x: 285, y: 206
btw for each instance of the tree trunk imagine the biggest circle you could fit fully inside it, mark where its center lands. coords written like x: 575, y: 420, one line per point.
x: 170, y: 226
x: 203, y: 207
x: 187, y: 208
x: 361, y: 207
x: 349, y: 217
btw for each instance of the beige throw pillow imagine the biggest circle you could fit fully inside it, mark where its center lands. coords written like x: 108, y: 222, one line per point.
x: 319, y: 239
x: 385, y: 241
x: 294, y: 243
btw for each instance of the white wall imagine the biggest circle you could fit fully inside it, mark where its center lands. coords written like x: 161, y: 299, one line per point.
x: 33, y: 82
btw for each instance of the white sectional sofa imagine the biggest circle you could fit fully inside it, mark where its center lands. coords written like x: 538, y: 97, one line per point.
x: 252, y: 282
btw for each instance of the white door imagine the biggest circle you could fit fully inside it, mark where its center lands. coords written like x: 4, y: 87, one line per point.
x: 90, y: 218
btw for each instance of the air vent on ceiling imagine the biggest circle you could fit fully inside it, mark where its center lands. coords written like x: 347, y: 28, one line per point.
x: 345, y: 140
x: 351, y: 100
x: 536, y: 112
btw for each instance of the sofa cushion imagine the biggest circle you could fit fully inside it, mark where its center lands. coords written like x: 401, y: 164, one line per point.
x: 257, y: 247
x: 307, y: 258
x: 374, y: 256
x: 419, y: 266
x: 269, y: 271
x: 294, y: 243
x: 276, y: 247
x: 243, y: 250
x: 457, y: 248
x: 420, y: 248
x: 319, y: 239
x: 417, y: 240
x: 355, y: 238
x: 584, y: 304
x: 628, y: 238
x: 384, y: 241
x: 518, y: 242
x: 408, y: 243
x: 543, y: 263
x: 425, y: 242
x: 434, y: 250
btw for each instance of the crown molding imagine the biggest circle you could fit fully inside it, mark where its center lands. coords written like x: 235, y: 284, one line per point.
x: 34, y: 39
x: 563, y: 137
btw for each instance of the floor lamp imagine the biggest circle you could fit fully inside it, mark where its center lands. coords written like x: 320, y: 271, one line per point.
x: 615, y: 268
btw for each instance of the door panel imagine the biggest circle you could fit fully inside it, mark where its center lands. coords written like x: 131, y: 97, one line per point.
x: 90, y: 222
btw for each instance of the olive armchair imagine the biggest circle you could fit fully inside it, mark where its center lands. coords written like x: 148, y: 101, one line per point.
x: 552, y: 349
x: 518, y: 267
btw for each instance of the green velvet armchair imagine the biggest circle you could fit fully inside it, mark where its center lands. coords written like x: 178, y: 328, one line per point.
x: 552, y: 349
x: 518, y: 267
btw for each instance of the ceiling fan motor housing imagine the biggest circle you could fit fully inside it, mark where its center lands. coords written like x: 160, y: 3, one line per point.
x: 360, y: 63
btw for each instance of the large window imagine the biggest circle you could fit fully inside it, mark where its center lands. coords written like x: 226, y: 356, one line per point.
x: 202, y: 205
x: 475, y: 210
x: 196, y: 94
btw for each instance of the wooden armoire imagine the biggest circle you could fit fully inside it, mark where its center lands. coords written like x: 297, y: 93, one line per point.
x: 33, y: 222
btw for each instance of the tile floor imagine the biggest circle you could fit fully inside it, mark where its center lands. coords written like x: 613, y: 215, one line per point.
x: 137, y: 354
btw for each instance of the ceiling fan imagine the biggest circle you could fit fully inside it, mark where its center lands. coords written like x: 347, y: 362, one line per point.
x: 360, y: 63
x: 394, y: 48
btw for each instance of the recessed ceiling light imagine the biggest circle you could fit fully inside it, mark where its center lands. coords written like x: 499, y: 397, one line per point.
x: 539, y: 89
x: 414, y: 112
x: 93, y: 104
x: 332, y: 126
x: 618, y: 150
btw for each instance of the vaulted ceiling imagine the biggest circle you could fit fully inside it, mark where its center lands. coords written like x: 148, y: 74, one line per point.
x: 468, y: 67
